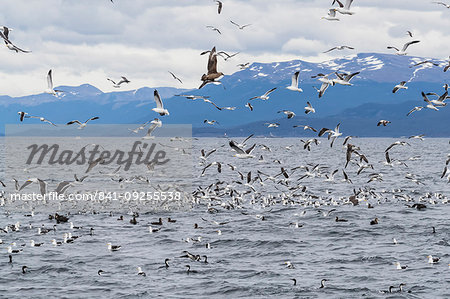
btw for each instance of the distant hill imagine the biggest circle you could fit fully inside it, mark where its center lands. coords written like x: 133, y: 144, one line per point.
x: 358, y: 107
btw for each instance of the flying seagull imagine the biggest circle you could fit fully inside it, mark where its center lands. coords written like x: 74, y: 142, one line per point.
x: 214, y: 29
x: 50, y: 89
x: 122, y: 80
x: 175, y: 77
x: 424, y: 62
x: 159, y: 105
x: 309, y: 108
x: 210, y: 122
x: 331, y: 133
x: 239, y: 26
x: 240, y: 153
x: 331, y: 16
x: 82, y: 125
x: 265, y: 96
x: 294, y: 83
x: 400, y: 86
x: 289, y: 114
x: 417, y: 108
x: 344, y: 9
x: 322, y: 89
x: 339, y: 48
x: 344, y: 80
x: 249, y: 106
x: 444, y: 4
x: 405, y: 46
x: 212, y: 76
x: 383, y: 123
x: 219, y: 6
x: 42, y: 119
x: 156, y: 123
x: 4, y: 33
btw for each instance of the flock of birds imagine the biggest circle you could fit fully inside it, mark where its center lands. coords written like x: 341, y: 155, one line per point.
x: 246, y: 188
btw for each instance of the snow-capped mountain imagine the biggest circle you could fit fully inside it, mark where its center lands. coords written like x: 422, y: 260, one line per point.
x: 379, y: 73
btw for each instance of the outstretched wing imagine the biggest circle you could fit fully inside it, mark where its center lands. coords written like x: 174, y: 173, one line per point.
x: 159, y: 103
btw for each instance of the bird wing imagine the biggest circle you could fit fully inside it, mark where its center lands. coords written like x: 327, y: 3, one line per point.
x: 392, y: 47
x: 269, y: 91
x: 236, y: 148
x: 323, y: 131
x: 245, y: 140
x: 73, y: 122
x: 212, y: 61
x: 235, y: 24
x: 49, y: 80
x: 339, y: 2
x: 111, y: 81
x: 294, y: 80
x: 409, y: 44
x: 92, y: 118
x: 349, y: 77
x: 151, y: 128
x: 348, y: 4
x: 159, y: 103
x: 250, y: 149
x: 331, y: 48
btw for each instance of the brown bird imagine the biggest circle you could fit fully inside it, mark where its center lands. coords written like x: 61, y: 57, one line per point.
x: 212, y: 76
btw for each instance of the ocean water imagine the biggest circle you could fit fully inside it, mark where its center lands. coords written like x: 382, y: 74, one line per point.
x: 248, y: 259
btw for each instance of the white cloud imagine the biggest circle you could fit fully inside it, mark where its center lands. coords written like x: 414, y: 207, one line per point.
x: 85, y: 41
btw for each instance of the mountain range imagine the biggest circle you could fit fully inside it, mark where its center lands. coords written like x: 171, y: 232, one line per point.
x: 358, y: 108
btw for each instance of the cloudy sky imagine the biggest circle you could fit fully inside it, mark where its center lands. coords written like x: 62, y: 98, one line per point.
x: 85, y: 41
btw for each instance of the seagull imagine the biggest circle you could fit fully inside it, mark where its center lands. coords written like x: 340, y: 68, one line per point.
x: 240, y: 152
x: 214, y: 29
x: 272, y: 125
x: 322, y: 89
x: 249, y: 106
x: 417, y: 137
x: 210, y: 122
x: 156, y: 123
x: 140, y: 272
x: 113, y: 247
x: 212, y: 76
x: 402, y: 143
x: 265, y: 96
x: 244, y: 66
x: 331, y: 16
x: 417, y: 108
x: 239, y: 26
x: 399, y: 86
x: 122, y: 80
x: 159, y: 105
x: 175, y: 77
x: 409, y: 33
x: 294, y: 83
x: 50, y: 89
x: 405, y: 46
x: 82, y: 125
x: 444, y: 4
x: 383, y: 122
x: 339, y: 48
x: 424, y: 62
x: 289, y: 114
x: 344, y: 9
x: 430, y: 105
x: 309, y: 108
x: 305, y: 127
x: 400, y: 267
x: 344, y: 80
x: 22, y: 115
x: 432, y: 260
x: 4, y: 33
x: 219, y: 6
x: 42, y: 119
x: 331, y: 133
x: 447, y: 66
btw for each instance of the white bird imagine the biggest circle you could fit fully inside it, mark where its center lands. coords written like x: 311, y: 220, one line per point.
x: 344, y: 9
x: 400, y: 267
x: 156, y: 123
x: 339, y: 48
x: 432, y: 260
x: 405, y: 46
x: 399, y: 86
x: 309, y: 108
x: 444, y: 4
x: 42, y: 119
x: 430, y: 105
x: 289, y: 114
x: 159, y: 105
x: 322, y: 89
x: 113, y: 247
x: 239, y: 26
x: 344, y: 80
x: 50, y: 89
x: 332, y: 134
x: 383, y: 123
x: 272, y: 125
x: 265, y: 96
x: 122, y: 80
x: 417, y: 108
x: 82, y: 125
x: 240, y: 153
x: 331, y: 16
x: 294, y: 83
